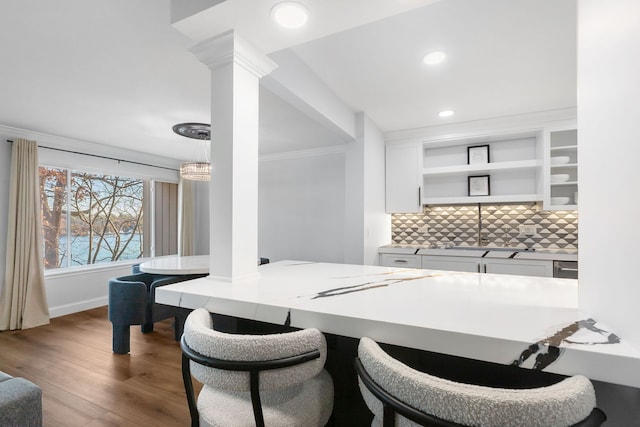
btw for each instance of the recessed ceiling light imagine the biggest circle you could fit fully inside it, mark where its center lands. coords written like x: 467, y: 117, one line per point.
x: 290, y: 14
x: 434, y: 58
x: 446, y: 113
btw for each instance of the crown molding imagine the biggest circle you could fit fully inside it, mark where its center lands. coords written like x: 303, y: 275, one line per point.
x: 229, y: 47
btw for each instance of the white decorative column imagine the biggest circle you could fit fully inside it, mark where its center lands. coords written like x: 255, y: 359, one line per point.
x: 236, y: 69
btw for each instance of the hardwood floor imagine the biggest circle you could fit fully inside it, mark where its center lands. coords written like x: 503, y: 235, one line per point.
x: 85, y: 384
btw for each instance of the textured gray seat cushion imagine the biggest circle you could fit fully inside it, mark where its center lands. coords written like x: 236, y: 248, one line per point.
x: 561, y: 404
x: 304, y: 405
x: 300, y: 395
x: 20, y: 402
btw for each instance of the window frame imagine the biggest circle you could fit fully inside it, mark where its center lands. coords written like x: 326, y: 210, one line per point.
x: 148, y: 208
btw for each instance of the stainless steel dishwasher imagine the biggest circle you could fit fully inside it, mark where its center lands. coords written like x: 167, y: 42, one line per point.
x: 565, y: 269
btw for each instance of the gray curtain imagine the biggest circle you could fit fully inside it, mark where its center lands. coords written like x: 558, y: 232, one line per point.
x: 23, y: 303
x: 187, y: 217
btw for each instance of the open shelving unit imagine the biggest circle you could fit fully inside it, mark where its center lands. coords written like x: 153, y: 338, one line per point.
x: 437, y: 171
x: 514, y: 169
x: 561, y: 142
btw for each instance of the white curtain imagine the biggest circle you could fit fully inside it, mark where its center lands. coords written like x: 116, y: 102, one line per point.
x: 187, y: 217
x: 23, y: 303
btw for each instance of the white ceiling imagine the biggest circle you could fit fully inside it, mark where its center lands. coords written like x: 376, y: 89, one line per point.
x: 504, y: 57
x: 116, y: 72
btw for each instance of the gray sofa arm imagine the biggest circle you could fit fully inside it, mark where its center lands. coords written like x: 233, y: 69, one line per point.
x: 20, y: 402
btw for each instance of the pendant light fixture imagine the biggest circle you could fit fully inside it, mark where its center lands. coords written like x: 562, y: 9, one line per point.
x: 195, y: 171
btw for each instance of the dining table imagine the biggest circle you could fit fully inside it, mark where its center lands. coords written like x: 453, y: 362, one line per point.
x: 176, y: 265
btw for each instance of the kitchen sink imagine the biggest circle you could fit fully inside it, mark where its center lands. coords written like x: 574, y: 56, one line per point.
x: 493, y: 248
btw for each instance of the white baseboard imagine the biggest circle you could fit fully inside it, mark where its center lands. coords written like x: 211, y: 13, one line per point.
x: 76, y: 307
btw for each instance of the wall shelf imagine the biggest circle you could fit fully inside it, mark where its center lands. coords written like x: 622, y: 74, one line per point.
x: 510, y: 198
x: 564, y: 148
x: 558, y: 184
x: 487, y: 168
x: 566, y: 165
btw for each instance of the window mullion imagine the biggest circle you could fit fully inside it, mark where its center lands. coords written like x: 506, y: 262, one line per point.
x: 68, y: 221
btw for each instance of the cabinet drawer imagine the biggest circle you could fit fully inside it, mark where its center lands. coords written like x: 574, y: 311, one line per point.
x: 538, y: 268
x: 450, y: 263
x: 394, y: 260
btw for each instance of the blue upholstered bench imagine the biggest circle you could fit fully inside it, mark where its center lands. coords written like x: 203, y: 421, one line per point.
x: 132, y: 302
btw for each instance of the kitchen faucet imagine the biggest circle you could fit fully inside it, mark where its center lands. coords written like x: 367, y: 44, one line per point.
x: 481, y: 239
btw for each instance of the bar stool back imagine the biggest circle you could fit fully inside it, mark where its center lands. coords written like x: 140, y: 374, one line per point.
x: 401, y: 396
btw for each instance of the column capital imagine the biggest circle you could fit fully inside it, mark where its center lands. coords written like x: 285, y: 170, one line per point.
x: 229, y: 47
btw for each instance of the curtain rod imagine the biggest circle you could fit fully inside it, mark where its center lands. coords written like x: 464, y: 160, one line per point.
x: 103, y: 157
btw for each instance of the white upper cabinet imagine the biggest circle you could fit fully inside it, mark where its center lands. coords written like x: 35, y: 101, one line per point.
x: 493, y: 169
x: 539, y: 164
x: 561, y: 168
x: 403, y: 178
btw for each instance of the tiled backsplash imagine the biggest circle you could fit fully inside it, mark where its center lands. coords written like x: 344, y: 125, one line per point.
x: 459, y: 225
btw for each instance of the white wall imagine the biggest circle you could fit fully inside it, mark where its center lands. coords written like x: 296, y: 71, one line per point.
x: 301, y: 206
x: 367, y: 226
x: 73, y: 291
x: 377, y: 224
x: 609, y: 149
x: 354, y: 200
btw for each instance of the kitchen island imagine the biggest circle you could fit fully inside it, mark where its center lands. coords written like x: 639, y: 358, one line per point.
x: 496, y: 318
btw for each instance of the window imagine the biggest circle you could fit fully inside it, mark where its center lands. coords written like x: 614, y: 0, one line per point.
x: 92, y: 218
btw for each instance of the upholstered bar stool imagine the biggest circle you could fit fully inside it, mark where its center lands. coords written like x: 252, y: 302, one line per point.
x: 255, y: 380
x: 401, y: 396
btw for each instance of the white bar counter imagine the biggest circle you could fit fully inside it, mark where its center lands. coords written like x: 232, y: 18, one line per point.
x: 486, y: 317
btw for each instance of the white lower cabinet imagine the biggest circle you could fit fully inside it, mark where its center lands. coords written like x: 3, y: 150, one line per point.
x: 398, y: 260
x: 540, y: 268
x: 527, y: 267
x: 451, y: 263
x: 472, y: 264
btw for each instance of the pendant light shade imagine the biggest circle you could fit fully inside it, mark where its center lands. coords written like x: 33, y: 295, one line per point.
x: 194, y: 171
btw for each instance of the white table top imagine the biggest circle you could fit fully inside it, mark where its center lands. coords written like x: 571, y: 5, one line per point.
x: 480, y: 316
x: 177, y: 265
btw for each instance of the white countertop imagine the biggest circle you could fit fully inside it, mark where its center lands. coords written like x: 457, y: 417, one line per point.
x: 540, y: 254
x: 177, y: 265
x: 480, y: 316
x: 400, y: 249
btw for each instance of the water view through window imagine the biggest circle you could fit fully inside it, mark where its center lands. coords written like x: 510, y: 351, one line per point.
x: 97, y: 218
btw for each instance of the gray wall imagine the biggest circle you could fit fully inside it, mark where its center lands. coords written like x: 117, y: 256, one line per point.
x: 301, y: 203
x: 202, y: 218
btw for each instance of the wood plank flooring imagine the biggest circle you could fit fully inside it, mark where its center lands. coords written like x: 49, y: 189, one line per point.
x: 85, y: 384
